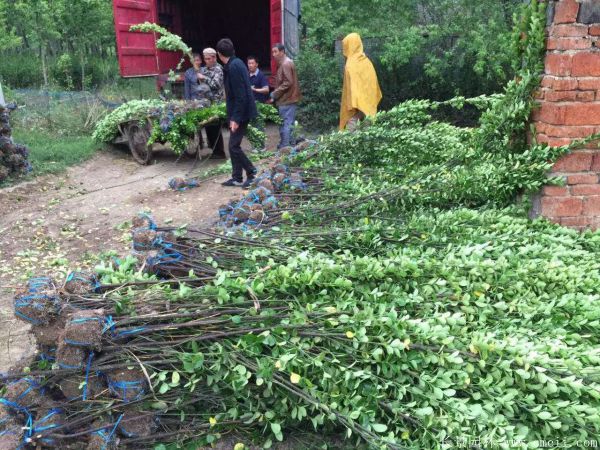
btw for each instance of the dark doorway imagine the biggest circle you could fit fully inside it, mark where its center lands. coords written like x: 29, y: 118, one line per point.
x: 246, y: 23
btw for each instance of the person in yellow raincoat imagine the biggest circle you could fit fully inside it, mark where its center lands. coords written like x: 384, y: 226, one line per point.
x: 361, y: 93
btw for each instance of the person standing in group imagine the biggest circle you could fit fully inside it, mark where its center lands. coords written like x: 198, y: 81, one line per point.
x: 212, y: 75
x: 286, y: 94
x: 194, y: 86
x: 361, y: 93
x: 241, y: 109
x: 260, y: 89
x: 258, y: 81
x: 205, y: 85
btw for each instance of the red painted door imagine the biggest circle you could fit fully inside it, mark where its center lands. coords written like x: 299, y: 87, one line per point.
x: 276, y: 28
x: 137, y: 51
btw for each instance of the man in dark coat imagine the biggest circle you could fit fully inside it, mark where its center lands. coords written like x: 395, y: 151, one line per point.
x: 241, y: 109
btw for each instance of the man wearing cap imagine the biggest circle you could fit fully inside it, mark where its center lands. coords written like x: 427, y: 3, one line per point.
x: 211, y: 75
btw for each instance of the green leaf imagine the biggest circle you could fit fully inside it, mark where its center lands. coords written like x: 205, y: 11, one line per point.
x: 175, y: 378
x: 379, y: 427
x: 275, y: 428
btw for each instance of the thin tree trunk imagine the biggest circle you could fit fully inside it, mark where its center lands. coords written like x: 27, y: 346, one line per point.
x: 82, y: 61
x: 44, y: 68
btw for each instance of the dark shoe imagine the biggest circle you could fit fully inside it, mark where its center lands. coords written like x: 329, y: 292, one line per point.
x: 232, y: 183
x: 248, y: 182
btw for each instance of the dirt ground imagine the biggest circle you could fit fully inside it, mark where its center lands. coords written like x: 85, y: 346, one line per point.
x: 58, y: 223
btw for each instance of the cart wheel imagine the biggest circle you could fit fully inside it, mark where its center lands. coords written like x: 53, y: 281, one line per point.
x: 138, y: 143
x: 195, y: 145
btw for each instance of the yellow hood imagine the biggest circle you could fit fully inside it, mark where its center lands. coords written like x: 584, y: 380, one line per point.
x: 361, y: 90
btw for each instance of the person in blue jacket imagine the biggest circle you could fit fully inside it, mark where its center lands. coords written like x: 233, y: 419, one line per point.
x: 241, y: 109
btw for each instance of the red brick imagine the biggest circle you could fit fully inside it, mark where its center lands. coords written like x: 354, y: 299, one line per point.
x: 594, y: 30
x: 586, y: 96
x: 586, y: 189
x: 565, y: 84
x: 593, y: 145
x: 569, y: 30
x: 582, y: 178
x: 596, y: 162
x: 559, y: 64
x: 591, y: 205
x: 551, y: 113
x: 580, y: 221
x: 547, y: 82
x: 585, y: 84
x: 539, y: 94
x: 561, y: 96
x: 541, y: 127
x: 580, y: 114
x: 574, y: 162
x: 558, y: 142
x: 561, y: 206
x: 565, y: 132
x: 556, y: 191
x: 586, y: 64
x: 566, y: 11
x: 568, y: 43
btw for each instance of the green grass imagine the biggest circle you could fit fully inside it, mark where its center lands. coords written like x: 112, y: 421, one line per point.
x: 51, y: 154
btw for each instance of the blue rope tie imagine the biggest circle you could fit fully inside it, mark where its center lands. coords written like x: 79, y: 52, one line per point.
x: 87, y: 375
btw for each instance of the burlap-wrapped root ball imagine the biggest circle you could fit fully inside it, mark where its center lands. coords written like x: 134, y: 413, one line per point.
x: 103, y: 439
x: 143, y: 221
x: 84, y: 329
x: 126, y: 384
x: 48, y: 335
x: 267, y: 184
x: 137, y: 424
x: 38, y: 303
x: 80, y: 283
x: 80, y: 386
x: 241, y: 213
x: 281, y: 168
x: 23, y: 393
x: 70, y: 356
x: 279, y: 180
x: 49, y: 417
x: 256, y: 217
x: 11, y: 432
x: 270, y: 204
x: 144, y: 239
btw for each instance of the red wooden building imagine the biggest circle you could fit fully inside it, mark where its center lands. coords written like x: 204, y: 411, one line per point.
x: 253, y: 25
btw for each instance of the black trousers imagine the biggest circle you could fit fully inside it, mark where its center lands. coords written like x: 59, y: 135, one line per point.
x: 215, y: 140
x: 239, y: 160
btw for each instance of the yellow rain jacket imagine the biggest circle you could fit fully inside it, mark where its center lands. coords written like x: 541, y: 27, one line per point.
x: 361, y: 90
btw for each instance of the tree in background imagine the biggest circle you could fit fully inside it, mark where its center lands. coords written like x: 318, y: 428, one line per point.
x: 421, y: 48
x: 54, y: 33
x: 8, y: 38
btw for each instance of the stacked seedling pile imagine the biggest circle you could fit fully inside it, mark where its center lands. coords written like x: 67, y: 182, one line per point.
x: 13, y: 157
x: 279, y: 188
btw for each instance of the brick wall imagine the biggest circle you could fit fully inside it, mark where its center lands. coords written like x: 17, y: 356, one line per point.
x: 569, y: 100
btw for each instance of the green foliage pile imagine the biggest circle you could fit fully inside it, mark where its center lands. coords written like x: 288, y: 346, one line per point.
x: 174, y: 123
x: 108, y: 127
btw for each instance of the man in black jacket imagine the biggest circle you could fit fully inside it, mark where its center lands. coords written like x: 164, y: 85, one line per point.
x: 241, y: 109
